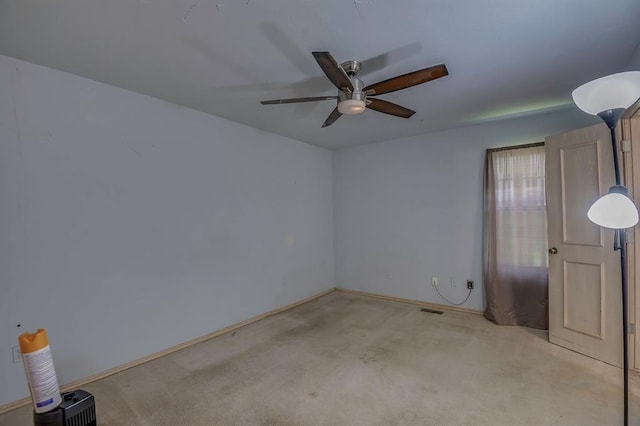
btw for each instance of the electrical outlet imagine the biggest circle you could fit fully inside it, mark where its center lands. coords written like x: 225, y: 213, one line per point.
x: 16, y: 355
x: 434, y: 281
x: 470, y: 284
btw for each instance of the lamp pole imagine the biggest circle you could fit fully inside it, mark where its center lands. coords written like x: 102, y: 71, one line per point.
x: 622, y: 234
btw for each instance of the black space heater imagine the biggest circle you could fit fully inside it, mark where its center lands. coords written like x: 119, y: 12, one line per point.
x: 78, y: 408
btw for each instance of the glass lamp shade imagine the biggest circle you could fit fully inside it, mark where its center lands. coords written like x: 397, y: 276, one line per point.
x: 610, y: 92
x: 351, y: 106
x: 614, y: 210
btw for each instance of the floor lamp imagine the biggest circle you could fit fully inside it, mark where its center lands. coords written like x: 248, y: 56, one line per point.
x: 608, y: 97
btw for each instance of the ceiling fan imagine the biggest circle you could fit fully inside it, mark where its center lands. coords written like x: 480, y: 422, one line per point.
x: 353, y: 96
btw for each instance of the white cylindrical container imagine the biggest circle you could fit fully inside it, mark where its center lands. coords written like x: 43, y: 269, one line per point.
x: 41, y: 375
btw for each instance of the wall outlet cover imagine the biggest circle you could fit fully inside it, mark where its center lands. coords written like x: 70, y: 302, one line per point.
x: 16, y: 355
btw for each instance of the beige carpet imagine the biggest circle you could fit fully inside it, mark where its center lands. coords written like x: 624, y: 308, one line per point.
x: 353, y: 360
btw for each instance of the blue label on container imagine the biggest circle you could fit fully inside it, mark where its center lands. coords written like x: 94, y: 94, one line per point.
x: 43, y: 403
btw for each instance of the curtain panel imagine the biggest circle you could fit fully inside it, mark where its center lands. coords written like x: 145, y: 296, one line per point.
x: 515, y: 237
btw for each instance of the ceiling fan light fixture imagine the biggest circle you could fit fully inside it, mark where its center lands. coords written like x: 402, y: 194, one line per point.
x: 351, y: 106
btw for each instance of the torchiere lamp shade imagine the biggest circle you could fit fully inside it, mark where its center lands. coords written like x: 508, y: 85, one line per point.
x: 614, y: 210
x: 610, y: 92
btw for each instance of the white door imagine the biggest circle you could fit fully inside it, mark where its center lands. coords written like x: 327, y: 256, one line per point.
x: 585, y: 305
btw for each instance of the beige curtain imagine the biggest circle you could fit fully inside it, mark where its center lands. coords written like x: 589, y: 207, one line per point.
x: 515, y: 237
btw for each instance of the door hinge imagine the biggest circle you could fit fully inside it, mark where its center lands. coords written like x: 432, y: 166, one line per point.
x: 632, y: 328
x: 626, y: 145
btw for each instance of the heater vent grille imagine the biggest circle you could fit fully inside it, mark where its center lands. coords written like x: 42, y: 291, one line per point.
x: 431, y: 311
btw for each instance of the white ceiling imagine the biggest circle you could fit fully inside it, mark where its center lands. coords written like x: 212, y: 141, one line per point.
x: 505, y: 57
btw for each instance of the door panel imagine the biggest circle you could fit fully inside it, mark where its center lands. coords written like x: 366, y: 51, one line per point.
x: 579, y: 192
x: 584, y: 274
x: 582, y: 293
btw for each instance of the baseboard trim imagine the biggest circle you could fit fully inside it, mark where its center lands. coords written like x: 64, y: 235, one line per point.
x: 411, y: 301
x: 81, y: 382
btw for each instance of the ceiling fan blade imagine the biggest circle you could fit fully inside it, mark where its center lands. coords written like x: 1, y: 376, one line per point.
x: 390, y: 108
x: 406, y: 80
x: 334, y: 72
x: 296, y: 100
x: 335, y: 114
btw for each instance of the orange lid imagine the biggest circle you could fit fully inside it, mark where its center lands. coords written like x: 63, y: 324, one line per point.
x: 31, y: 342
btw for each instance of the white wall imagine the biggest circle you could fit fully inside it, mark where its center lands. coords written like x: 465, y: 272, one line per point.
x: 634, y: 61
x: 409, y: 209
x: 128, y: 224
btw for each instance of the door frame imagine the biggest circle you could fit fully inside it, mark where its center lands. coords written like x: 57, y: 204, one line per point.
x: 629, y: 153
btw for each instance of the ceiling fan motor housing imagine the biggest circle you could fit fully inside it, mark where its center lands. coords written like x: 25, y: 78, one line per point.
x: 356, y: 94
